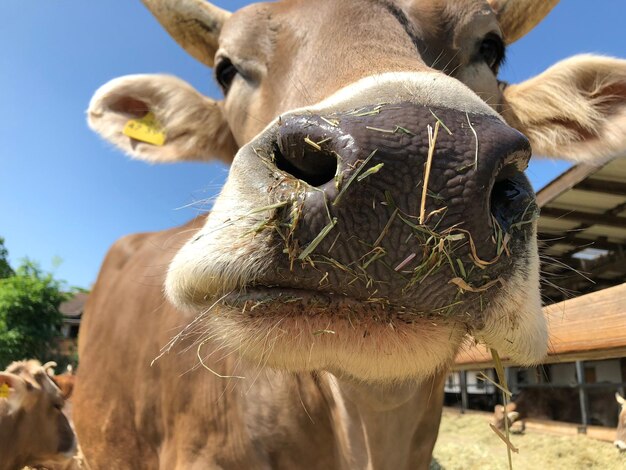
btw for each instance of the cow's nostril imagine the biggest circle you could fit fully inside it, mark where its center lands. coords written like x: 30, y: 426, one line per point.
x: 304, y: 149
x: 308, y: 162
x: 512, y: 199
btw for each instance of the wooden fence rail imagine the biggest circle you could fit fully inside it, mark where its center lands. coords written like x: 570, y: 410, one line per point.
x: 589, y: 327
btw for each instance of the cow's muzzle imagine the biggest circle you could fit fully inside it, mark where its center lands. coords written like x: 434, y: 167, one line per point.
x: 417, y: 206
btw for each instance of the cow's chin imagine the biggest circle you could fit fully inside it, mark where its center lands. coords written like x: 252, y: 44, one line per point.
x: 354, y: 341
x: 298, y: 330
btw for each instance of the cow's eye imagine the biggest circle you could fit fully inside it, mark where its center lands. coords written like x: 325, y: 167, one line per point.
x: 492, y: 51
x: 225, y: 73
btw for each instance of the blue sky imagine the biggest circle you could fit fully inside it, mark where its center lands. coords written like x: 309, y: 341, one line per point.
x: 65, y: 193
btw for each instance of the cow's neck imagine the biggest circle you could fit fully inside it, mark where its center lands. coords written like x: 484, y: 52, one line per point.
x: 385, y: 427
x: 9, y: 424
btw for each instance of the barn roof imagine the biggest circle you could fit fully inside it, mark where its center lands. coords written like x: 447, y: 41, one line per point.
x: 74, y: 307
x: 582, y: 230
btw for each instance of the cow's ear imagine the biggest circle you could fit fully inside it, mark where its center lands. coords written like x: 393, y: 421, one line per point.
x: 620, y: 399
x: 13, y: 389
x: 161, y: 119
x: 518, y: 17
x: 574, y: 110
x: 194, y: 24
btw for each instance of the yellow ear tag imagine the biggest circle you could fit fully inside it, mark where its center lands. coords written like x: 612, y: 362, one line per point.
x: 146, y: 129
x: 4, y: 390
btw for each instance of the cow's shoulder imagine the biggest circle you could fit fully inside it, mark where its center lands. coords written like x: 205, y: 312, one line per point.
x: 160, y: 245
x: 126, y: 322
x: 130, y: 283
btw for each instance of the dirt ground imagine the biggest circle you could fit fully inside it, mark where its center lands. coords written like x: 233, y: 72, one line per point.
x: 466, y: 442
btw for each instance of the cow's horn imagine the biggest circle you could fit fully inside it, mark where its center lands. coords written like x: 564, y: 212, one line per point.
x: 194, y: 24
x: 518, y: 17
x: 49, y: 365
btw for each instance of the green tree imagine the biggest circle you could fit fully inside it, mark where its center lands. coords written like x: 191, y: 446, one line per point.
x: 30, y: 320
x: 5, y: 269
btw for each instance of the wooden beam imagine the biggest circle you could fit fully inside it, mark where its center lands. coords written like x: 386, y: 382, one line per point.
x: 600, y: 186
x: 588, y: 327
x: 584, y: 217
x: 566, y: 181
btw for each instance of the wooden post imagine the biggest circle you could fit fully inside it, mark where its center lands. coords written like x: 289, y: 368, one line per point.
x: 464, y: 398
x: 511, y: 378
x: 622, y: 364
x: 582, y: 395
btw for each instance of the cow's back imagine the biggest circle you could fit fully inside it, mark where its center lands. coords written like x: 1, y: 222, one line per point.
x: 172, y: 414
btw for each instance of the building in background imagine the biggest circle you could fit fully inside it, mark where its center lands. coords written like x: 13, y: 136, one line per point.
x: 72, y: 311
x: 582, y: 238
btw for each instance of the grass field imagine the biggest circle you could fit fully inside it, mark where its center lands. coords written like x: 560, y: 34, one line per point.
x: 466, y: 442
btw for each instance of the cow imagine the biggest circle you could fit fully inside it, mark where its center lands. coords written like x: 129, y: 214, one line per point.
x: 33, y: 429
x: 65, y: 382
x: 620, y: 438
x: 556, y: 404
x: 375, y: 212
x: 512, y: 417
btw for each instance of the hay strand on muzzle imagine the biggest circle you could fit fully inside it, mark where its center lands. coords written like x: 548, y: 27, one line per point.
x: 211, y: 370
x: 475, y: 137
x: 406, y: 261
x: 330, y: 122
x: 502, y: 379
x: 461, y: 284
x: 370, y: 171
x: 432, y: 140
x: 440, y: 121
x: 318, y: 239
x: 315, y: 145
x: 355, y: 174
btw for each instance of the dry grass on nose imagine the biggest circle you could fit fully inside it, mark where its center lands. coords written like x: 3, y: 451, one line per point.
x: 432, y: 141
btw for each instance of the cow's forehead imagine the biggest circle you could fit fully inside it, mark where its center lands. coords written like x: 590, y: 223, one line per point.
x: 429, y: 18
x: 300, y: 52
x: 368, y: 33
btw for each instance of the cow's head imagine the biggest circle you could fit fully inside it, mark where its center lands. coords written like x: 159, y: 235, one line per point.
x: 37, y: 433
x: 506, y: 416
x: 376, y: 208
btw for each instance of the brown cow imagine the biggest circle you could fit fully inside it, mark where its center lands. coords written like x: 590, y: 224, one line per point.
x: 33, y: 429
x: 374, y: 213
